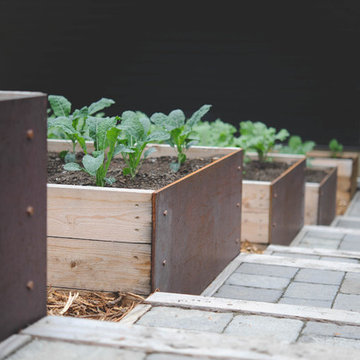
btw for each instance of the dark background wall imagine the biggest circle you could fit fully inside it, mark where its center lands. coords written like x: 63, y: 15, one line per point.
x: 292, y: 64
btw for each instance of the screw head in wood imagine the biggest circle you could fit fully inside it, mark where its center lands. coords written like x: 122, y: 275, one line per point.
x: 239, y: 168
x: 238, y: 205
x: 30, y: 285
x: 30, y: 210
x: 165, y: 212
x: 274, y: 225
x: 30, y: 134
x: 164, y: 263
x: 275, y: 195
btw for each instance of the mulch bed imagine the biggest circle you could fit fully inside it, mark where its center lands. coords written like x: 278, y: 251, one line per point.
x: 107, y: 306
x: 154, y: 173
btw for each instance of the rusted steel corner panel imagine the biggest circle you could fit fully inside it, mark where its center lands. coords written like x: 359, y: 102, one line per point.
x: 23, y: 210
x: 354, y: 176
x: 197, y: 223
x: 327, y: 198
x: 287, y: 204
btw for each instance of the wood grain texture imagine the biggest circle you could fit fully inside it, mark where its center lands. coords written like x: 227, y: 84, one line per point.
x: 99, y: 265
x: 311, y: 203
x: 86, y: 212
x: 255, y: 211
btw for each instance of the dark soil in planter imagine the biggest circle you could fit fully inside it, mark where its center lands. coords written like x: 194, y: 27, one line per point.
x: 315, y: 175
x: 154, y: 173
x: 264, y: 171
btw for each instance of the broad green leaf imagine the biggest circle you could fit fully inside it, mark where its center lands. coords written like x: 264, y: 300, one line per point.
x: 69, y: 157
x: 72, y: 167
x: 197, y: 115
x: 132, y: 125
x: 121, y: 148
x: 294, y: 141
x: 59, y: 105
x: 159, y: 119
x: 100, y: 105
x: 110, y: 180
x: 92, y: 164
x: 174, y: 166
x: 158, y: 135
x: 177, y: 118
x: 282, y: 135
x: 148, y: 152
x: 145, y: 122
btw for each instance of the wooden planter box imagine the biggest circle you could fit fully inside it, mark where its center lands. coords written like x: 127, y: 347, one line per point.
x: 320, y: 199
x: 273, y: 212
x: 176, y: 239
x: 347, y: 171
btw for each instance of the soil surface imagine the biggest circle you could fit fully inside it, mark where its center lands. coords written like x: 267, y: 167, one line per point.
x: 263, y: 171
x: 154, y: 173
x: 315, y: 175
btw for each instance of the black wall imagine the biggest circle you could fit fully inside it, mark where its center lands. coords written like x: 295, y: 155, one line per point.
x: 292, y: 64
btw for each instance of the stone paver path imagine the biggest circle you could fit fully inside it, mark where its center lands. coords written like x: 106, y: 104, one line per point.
x: 286, y: 280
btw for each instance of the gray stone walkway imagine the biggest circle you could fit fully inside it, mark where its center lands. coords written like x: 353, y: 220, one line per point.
x: 309, y: 283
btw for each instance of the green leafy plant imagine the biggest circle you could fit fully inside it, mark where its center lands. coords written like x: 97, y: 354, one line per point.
x: 256, y: 136
x: 336, y: 148
x: 104, y: 133
x: 72, y: 126
x: 217, y: 133
x: 136, y: 134
x: 295, y: 145
x: 182, y: 135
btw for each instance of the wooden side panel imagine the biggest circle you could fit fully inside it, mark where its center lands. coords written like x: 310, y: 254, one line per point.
x: 344, y: 165
x: 287, y: 204
x: 255, y: 212
x: 327, y: 199
x: 99, y: 213
x: 354, y: 176
x: 197, y: 223
x: 22, y: 210
x: 99, y: 265
x: 311, y: 203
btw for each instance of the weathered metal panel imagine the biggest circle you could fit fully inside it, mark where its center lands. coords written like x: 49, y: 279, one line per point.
x: 327, y: 199
x: 23, y: 210
x: 197, y: 223
x: 287, y: 204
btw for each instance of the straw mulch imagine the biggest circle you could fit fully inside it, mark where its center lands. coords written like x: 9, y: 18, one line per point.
x: 251, y: 248
x: 107, y: 306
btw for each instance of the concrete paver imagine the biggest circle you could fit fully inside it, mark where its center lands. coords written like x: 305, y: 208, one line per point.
x: 268, y: 270
x: 351, y: 284
x: 248, y: 293
x: 301, y: 290
x: 252, y: 325
x: 186, y: 319
x: 328, y: 277
x: 258, y: 281
x: 347, y: 302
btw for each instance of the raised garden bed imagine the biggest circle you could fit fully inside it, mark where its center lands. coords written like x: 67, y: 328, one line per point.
x: 273, y: 211
x: 176, y: 239
x: 347, y: 171
x: 320, y: 196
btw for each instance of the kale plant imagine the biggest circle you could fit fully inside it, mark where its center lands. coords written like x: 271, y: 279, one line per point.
x: 136, y: 134
x: 336, y: 148
x: 217, y: 133
x: 295, y: 145
x: 104, y: 133
x: 72, y: 126
x: 256, y: 136
x: 182, y: 135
